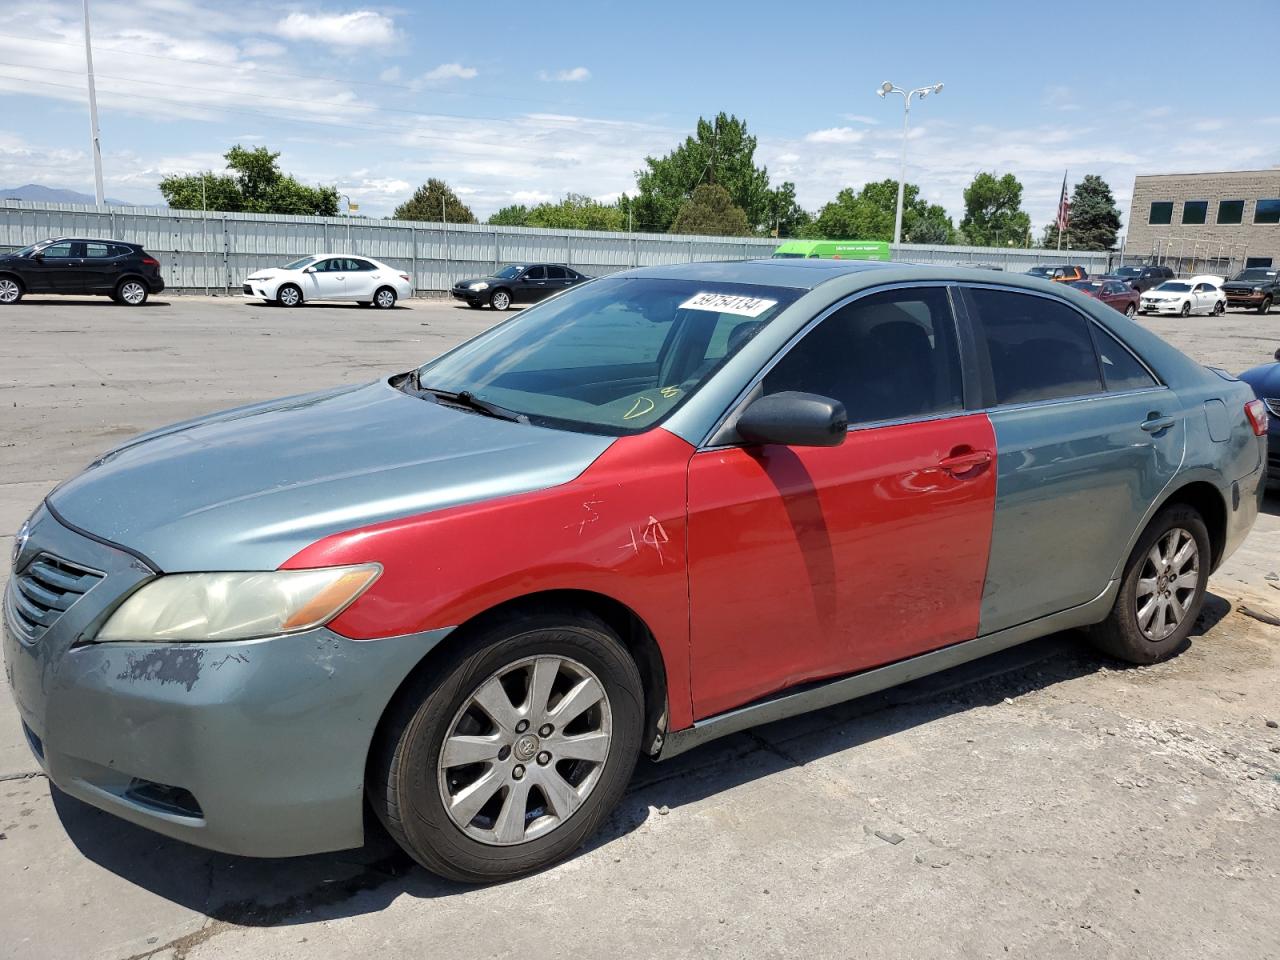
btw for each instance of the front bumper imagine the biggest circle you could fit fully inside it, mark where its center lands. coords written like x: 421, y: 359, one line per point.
x: 1172, y: 308
x: 470, y: 296
x: 255, y: 748
x: 1238, y: 299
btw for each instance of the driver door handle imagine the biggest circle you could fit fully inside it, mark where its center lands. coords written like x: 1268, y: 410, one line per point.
x: 965, y: 462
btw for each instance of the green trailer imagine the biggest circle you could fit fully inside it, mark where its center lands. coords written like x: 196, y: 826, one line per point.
x: 834, y: 249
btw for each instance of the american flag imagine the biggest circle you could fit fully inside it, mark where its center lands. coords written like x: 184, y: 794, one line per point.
x: 1064, y: 206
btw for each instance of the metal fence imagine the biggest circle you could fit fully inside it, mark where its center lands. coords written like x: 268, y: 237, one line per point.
x: 214, y: 252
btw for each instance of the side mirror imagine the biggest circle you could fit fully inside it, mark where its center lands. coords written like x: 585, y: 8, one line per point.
x: 795, y: 419
x: 38, y: 255
x: 309, y: 270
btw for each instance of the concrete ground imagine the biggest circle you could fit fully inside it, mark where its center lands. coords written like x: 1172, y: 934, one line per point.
x: 1042, y: 803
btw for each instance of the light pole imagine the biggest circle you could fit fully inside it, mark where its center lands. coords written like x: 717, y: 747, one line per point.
x: 921, y: 92
x: 95, y: 138
x: 350, y: 206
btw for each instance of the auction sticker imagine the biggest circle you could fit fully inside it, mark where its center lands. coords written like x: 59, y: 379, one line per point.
x: 728, y: 303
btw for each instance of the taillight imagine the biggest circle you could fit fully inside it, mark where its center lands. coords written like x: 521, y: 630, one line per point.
x: 150, y: 262
x: 1256, y: 412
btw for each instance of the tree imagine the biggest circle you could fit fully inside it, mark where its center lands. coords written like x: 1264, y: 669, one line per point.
x: 1095, y: 219
x: 514, y: 215
x: 869, y: 215
x: 432, y: 201
x: 253, y: 184
x: 577, y: 212
x: 720, y: 152
x: 993, y: 211
x: 711, y: 211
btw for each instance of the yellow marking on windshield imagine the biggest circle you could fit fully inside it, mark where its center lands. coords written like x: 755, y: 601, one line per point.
x: 669, y: 392
x: 638, y: 409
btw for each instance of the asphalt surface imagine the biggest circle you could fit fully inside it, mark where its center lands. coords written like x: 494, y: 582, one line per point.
x: 1042, y: 803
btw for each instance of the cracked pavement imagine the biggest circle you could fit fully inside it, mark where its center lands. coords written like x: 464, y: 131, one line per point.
x: 1050, y: 803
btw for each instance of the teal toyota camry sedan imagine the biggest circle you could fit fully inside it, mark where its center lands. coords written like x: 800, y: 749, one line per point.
x: 657, y: 508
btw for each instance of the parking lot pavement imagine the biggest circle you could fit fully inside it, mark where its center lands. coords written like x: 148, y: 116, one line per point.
x: 1042, y: 803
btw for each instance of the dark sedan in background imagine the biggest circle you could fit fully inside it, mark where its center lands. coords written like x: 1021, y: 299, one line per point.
x: 1114, y: 293
x: 1265, y: 380
x: 123, y: 271
x: 518, y: 283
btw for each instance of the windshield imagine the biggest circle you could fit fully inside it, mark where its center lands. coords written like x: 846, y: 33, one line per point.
x: 1127, y: 272
x: 27, y: 251
x: 1174, y: 287
x: 613, y: 356
x: 1040, y: 271
x: 509, y: 273
x: 788, y: 256
x: 1255, y: 273
x: 299, y: 264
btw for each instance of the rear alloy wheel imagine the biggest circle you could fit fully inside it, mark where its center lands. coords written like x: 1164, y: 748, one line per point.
x: 1162, y: 589
x: 131, y: 293
x: 1186, y: 309
x: 1130, y: 310
x: 289, y: 296
x: 10, y: 291
x: 500, y: 300
x: 507, y: 757
x: 385, y: 298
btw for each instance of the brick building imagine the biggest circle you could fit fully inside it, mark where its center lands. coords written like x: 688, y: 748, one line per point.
x: 1206, y: 222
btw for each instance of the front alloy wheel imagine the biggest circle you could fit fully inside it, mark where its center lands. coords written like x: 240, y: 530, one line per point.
x: 511, y: 772
x: 512, y: 749
x: 289, y: 296
x: 500, y: 300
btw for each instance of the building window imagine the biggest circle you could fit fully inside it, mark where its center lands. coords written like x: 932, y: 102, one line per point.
x: 1257, y: 262
x: 1161, y: 212
x: 1193, y: 211
x: 1267, y: 211
x: 1230, y: 211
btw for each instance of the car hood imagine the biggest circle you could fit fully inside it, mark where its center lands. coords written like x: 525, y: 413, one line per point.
x: 248, y: 488
x: 1265, y: 380
x: 488, y: 280
x: 1247, y: 284
x: 270, y: 273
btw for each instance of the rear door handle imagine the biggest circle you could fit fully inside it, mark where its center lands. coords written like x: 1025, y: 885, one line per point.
x: 964, y: 462
x: 1155, y: 424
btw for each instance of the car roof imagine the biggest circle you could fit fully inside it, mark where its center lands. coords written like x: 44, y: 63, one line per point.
x: 798, y: 274
x: 89, y: 240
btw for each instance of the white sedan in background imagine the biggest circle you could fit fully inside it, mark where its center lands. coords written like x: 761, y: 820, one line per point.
x: 330, y: 277
x: 1185, y: 297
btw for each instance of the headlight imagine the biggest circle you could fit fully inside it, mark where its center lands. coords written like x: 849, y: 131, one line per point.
x: 479, y: 286
x: 237, y: 606
x: 1257, y: 289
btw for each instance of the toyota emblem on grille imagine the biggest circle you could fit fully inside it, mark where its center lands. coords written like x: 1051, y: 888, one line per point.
x: 20, y: 541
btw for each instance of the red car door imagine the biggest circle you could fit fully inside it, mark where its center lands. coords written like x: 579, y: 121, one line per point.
x: 811, y: 562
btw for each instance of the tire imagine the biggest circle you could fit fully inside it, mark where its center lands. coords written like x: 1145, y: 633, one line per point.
x: 10, y: 290
x: 384, y: 298
x: 1122, y: 634
x: 289, y: 295
x: 410, y: 783
x: 500, y: 300
x: 1265, y: 305
x: 130, y: 293
x: 1185, y: 311
x: 1130, y: 310
x: 1219, y: 308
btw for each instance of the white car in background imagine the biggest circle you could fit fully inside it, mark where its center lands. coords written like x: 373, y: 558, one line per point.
x: 1185, y: 297
x: 330, y: 276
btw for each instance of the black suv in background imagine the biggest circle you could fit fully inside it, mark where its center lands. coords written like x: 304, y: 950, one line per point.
x: 1256, y: 288
x: 1142, y: 278
x: 123, y: 271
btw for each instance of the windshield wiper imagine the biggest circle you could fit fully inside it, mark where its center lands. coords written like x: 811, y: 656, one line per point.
x: 465, y: 398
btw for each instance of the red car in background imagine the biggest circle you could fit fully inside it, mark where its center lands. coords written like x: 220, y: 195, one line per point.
x: 1114, y: 293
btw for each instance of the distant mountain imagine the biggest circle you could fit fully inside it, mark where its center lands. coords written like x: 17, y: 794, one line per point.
x: 33, y: 191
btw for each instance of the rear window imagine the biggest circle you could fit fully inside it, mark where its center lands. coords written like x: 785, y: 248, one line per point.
x: 1038, y: 348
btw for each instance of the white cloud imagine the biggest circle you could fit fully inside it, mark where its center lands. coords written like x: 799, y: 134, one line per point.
x: 390, y: 75
x: 835, y: 135
x: 573, y: 75
x: 449, y: 71
x: 262, y: 48
x: 360, y: 28
x: 860, y: 118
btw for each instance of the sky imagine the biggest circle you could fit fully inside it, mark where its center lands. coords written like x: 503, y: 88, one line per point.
x: 521, y: 103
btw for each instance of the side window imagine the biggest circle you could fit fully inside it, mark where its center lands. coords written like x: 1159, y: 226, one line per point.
x: 886, y: 356
x: 1039, y: 349
x: 536, y: 273
x: 99, y: 251
x: 1120, y: 368
x: 58, y: 251
x: 120, y: 250
x: 556, y: 273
